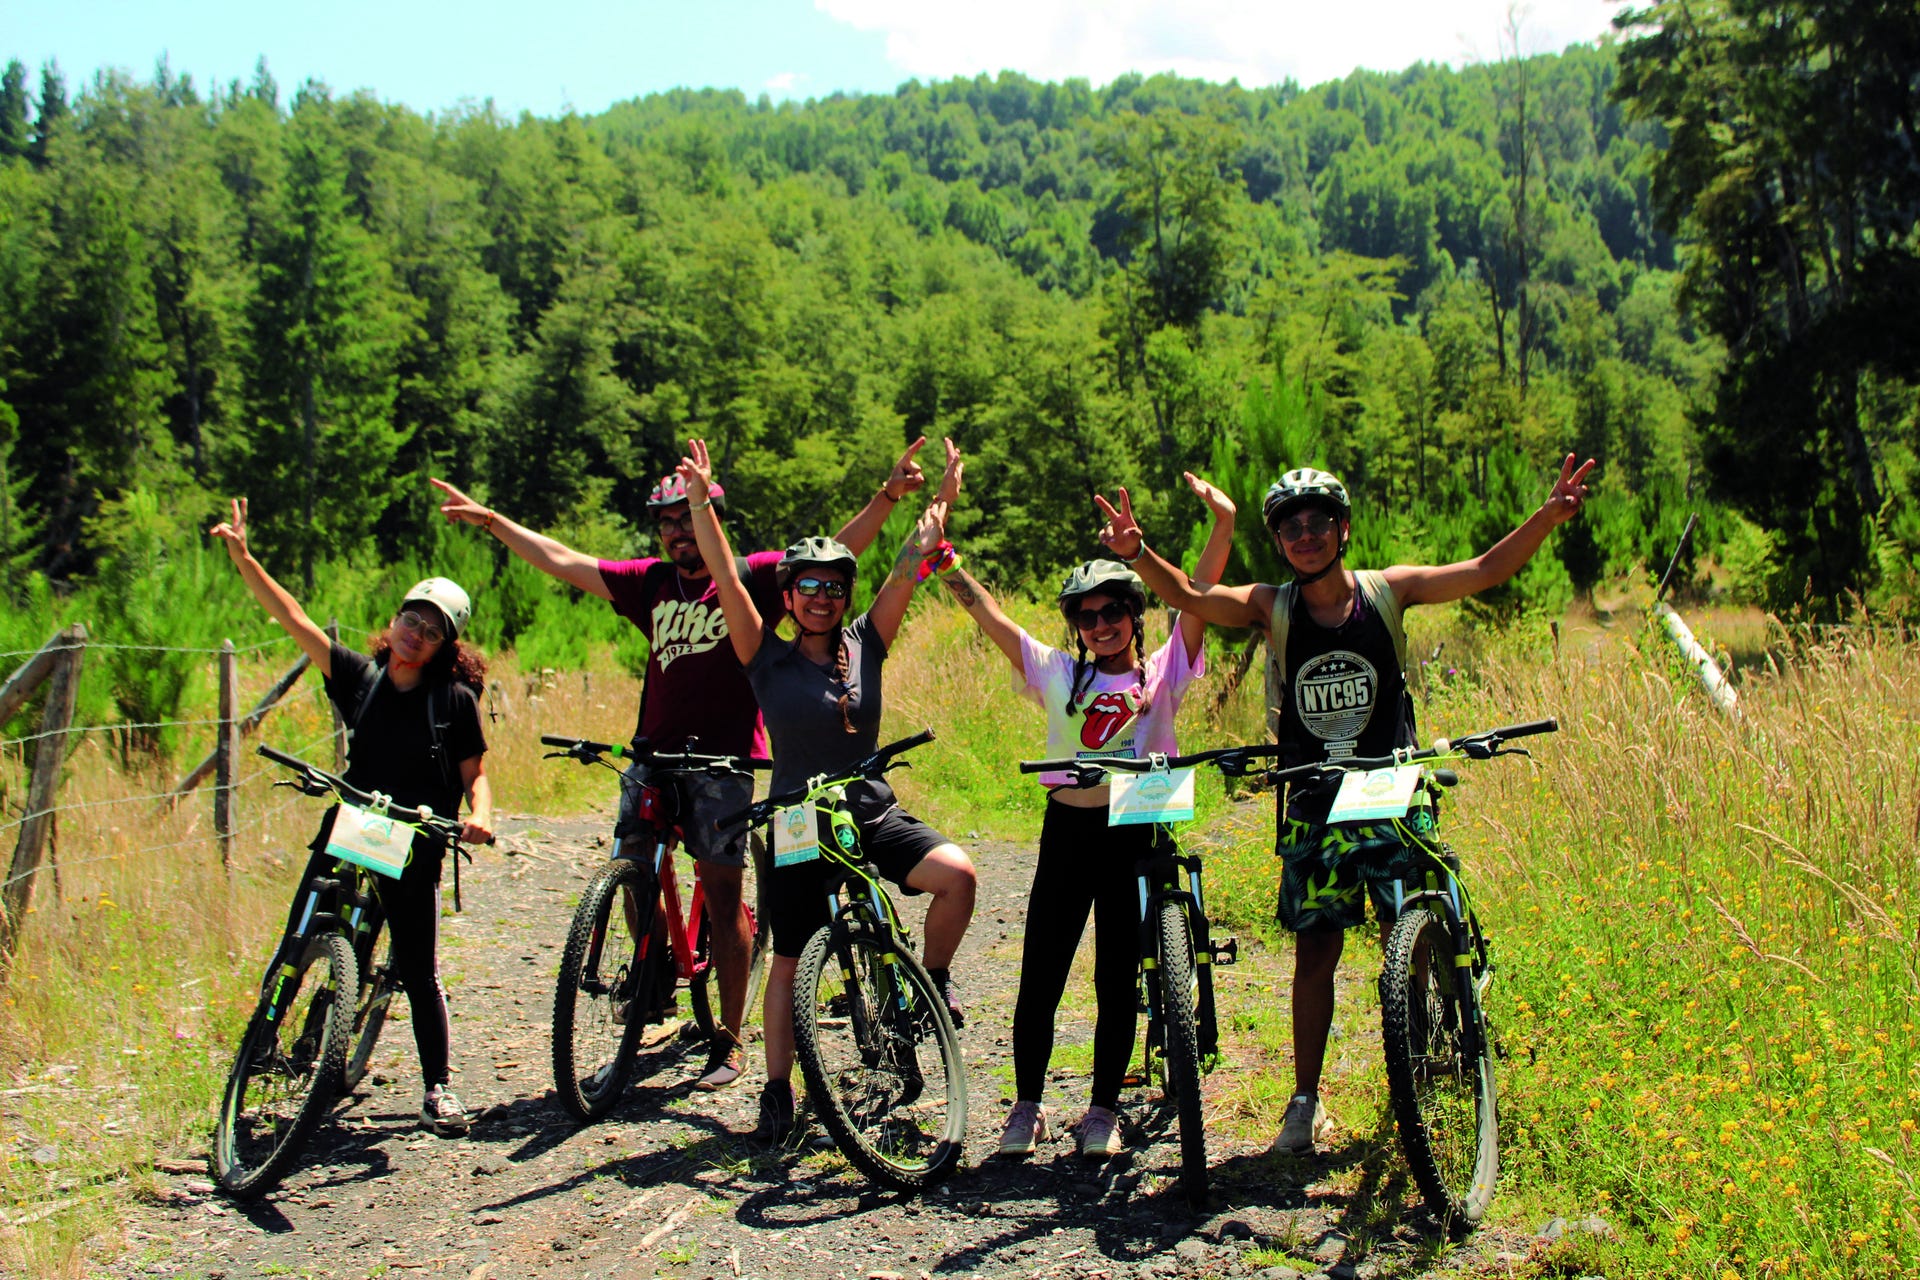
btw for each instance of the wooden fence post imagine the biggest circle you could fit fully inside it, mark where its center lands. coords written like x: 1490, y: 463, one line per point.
x: 21, y: 684
x: 248, y: 723
x: 49, y: 756
x: 226, y: 752
x: 339, y: 726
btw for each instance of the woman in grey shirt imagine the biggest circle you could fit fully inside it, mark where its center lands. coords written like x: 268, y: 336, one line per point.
x: 821, y: 696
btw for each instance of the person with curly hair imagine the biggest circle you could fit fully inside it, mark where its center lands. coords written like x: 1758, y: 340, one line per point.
x: 413, y: 716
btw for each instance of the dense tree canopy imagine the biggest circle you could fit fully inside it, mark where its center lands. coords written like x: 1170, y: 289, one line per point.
x: 1434, y: 282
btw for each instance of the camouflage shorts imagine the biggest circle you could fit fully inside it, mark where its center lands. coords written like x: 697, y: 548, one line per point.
x: 1327, y: 873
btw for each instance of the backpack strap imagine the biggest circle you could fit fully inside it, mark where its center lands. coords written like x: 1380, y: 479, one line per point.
x: 1380, y: 598
x: 439, y: 719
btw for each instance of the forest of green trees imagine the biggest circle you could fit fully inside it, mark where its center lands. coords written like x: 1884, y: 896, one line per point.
x: 1434, y: 282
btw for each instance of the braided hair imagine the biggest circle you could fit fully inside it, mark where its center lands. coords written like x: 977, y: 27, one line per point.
x: 843, y: 675
x: 1084, y: 668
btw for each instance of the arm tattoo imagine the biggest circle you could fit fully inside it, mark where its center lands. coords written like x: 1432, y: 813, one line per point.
x: 964, y: 588
x: 903, y: 566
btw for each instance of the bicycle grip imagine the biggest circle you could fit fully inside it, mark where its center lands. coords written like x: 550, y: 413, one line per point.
x: 1527, y: 730
x: 1047, y: 766
x: 906, y: 744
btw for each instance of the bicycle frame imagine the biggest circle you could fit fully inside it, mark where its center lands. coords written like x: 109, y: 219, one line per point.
x: 1159, y: 881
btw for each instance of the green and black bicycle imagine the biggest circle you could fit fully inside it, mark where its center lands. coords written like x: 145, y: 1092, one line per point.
x: 876, y: 1045
x: 324, y: 1001
x: 1177, y: 950
x: 1434, y: 1026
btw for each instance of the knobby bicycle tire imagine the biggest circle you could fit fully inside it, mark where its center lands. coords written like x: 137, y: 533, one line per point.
x: 287, y: 1075
x: 1439, y: 1072
x: 369, y: 1018
x: 865, y: 1015
x: 593, y: 1038
x: 703, y: 990
x: 1179, y: 996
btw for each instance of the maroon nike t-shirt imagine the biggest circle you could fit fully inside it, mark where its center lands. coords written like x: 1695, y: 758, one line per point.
x: 695, y: 686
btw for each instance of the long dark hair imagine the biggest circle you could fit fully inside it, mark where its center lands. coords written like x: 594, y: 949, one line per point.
x: 1083, y: 666
x: 454, y: 660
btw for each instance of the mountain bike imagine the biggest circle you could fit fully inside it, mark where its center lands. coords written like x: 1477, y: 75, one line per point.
x: 1437, y: 1035
x: 1177, y: 950
x: 864, y: 1008
x: 630, y: 943
x: 324, y: 1001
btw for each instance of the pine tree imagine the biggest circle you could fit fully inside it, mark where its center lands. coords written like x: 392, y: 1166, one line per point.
x: 14, y: 132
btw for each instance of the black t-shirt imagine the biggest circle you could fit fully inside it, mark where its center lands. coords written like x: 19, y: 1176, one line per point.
x: 1345, y: 692
x: 392, y: 748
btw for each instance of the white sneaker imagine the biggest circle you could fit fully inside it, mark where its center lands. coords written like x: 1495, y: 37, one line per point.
x: 442, y: 1112
x: 1026, y: 1130
x: 1098, y: 1133
x: 1306, y: 1123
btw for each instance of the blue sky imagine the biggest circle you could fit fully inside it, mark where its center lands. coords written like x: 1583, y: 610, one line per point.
x: 545, y: 57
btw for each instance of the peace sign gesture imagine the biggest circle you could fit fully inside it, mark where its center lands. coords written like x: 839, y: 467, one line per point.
x: 950, y: 478
x: 233, y: 532
x: 1121, y: 534
x: 1569, y: 491
x: 906, y: 475
x: 696, y: 472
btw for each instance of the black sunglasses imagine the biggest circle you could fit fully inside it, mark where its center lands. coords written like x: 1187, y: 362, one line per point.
x: 816, y: 586
x: 1317, y: 523
x: 1110, y: 613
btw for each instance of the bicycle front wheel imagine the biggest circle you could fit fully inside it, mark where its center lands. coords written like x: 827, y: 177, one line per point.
x: 598, y: 1002
x: 1179, y: 1015
x: 1439, y: 1070
x: 288, y: 1071
x: 881, y: 1060
x: 377, y: 988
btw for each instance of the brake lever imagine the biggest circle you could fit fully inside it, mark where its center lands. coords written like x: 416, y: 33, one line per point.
x: 1504, y: 750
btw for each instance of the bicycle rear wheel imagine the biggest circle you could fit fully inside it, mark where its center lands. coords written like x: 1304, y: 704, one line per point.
x: 598, y: 1001
x: 1439, y: 1070
x: 881, y: 1060
x: 288, y: 1071
x: 1179, y: 1014
x: 377, y: 988
x: 703, y: 990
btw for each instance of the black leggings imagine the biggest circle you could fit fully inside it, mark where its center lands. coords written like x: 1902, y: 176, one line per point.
x: 1083, y: 864
x: 412, y: 908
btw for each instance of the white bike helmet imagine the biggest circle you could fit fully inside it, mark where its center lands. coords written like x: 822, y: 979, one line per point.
x: 447, y: 597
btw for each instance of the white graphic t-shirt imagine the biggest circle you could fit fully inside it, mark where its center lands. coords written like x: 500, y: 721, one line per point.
x: 1124, y: 715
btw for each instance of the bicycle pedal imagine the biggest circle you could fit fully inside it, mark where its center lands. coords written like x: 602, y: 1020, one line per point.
x: 1226, y: 953
x: 1133, y: 1080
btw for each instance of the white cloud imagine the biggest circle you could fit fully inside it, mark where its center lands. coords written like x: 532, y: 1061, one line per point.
x: 1256, y: 43
x: 783, y: 83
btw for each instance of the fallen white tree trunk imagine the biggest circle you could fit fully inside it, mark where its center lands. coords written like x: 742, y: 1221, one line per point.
x: 1718, y: 687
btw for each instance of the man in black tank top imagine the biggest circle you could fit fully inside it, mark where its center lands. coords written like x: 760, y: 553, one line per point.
x: 1337, y: 687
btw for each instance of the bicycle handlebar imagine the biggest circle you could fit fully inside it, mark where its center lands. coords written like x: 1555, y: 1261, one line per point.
x: 587, y: 751
x: 448, y: 829
x: 872, y: 767
x: 1234, y: 760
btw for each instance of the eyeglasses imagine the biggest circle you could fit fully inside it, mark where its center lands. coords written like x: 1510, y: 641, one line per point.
x: 829, y: 587
x: 682, y: 522
x: 1317, y: 524
x: 1110, y: 613
x: 425, y: 628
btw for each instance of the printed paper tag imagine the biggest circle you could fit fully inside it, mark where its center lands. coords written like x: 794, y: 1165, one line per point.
x: 1376, y: 794
x: 796, y: 835
x: 371, y: 840
x: 1150, y: 797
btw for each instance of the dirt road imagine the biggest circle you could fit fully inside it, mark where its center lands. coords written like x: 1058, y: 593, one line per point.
x: 667, y: 1187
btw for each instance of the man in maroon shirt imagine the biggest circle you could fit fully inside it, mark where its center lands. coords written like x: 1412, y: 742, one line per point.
x: 694, y: 686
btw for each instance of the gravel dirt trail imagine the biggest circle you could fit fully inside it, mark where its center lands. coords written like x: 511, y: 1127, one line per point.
x: 668, y: 1186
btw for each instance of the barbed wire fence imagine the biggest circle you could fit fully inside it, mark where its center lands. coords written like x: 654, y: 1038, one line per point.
x: 56, y: 666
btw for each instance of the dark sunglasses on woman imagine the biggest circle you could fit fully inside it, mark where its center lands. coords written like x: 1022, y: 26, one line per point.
x: 811, y: 587
x: 1110, y: 613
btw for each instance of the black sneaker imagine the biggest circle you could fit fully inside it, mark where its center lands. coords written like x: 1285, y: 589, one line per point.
x: 943, y: 983
x: 776, y: 1113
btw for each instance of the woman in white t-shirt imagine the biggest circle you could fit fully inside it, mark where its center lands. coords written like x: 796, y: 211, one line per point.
x: 1110, y: 697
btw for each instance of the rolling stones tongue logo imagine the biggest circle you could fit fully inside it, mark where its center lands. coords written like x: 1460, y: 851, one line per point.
x: 1105, y: 716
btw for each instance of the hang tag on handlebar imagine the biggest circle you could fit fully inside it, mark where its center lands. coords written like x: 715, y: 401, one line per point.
x: 1375, y: 794
x: 381, y: 844
x: 796, y: 835
x: 1160, y: 796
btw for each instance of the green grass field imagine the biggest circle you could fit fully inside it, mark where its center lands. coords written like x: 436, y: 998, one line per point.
x: 1708, y: 971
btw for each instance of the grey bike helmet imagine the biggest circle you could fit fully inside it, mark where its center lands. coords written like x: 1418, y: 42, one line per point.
x: 821, y: 553
x: 1109, y: 576
x: 1303, y: 485
x: 672, y: 491
x: 447, y: 597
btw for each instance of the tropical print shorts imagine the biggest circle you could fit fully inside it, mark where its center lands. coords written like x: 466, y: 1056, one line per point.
x: 1327, y: 872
